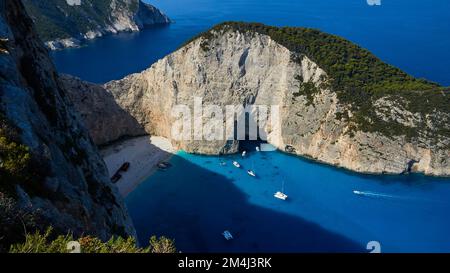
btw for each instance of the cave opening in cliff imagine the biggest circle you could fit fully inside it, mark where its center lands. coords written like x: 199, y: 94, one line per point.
x: 253, y: 138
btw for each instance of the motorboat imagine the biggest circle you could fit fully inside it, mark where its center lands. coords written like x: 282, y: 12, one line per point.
x: 251, y: 172
x: 236, y: 164
x: 164, y: 165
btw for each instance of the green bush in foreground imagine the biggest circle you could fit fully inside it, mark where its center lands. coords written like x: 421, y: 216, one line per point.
x: 41, y: 243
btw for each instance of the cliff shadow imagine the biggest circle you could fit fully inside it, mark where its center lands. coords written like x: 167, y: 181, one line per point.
x: 194, y: 206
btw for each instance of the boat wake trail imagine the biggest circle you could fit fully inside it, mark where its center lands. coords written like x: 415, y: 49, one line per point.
x: 377, y: 195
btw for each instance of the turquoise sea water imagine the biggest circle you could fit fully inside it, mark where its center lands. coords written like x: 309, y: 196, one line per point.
x: 198, y: 199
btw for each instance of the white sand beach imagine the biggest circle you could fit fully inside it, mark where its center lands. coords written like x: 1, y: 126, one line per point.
x: 143, y: 154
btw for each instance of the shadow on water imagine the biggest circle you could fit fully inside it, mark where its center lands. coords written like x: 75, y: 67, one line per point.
x: 194, y: 206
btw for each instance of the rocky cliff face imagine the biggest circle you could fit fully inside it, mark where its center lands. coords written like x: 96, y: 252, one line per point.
x: 68, y: 23
x: 227, y: 66
x: 105, y: 120
x: 64, y: 180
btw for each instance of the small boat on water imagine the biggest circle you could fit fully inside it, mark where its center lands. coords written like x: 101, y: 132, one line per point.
x: 280, y: 194
x: 236, y: 164
x: 251, y: 172
x: 223, y: 163
x: 357, y: 192
x: 227, y: 235
x: 257, y: 148
x: 164, y: 165
x: 244, y: 153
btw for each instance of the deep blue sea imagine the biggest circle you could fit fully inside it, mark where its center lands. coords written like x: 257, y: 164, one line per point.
x: 411, y: 34
x: 197, y: 199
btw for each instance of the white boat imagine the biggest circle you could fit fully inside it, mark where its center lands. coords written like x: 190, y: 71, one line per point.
x: 257, y: 148
x: 357, y: 192
x: 227, y: 235
x: 251, y: 172
x: 236, y: 164
x: 244, y: 153
x: 280, y: 194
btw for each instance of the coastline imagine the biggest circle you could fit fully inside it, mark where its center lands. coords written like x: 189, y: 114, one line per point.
x: 143, y: 153
x: 82, y: 41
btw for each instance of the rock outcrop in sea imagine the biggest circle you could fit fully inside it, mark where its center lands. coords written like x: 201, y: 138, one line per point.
x: 49, y: 164
x: 339, y: 104
x: 64, y: 24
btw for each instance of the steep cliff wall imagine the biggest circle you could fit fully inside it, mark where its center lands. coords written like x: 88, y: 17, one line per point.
x: 63, y: 23
x: 105, y: 120
x: 48, y: 163
x: 340, y: 104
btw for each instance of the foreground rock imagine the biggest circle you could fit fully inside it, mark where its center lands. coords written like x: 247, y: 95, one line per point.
x: 56, y: 173
x: 63, y: 24
x: 387, y: 129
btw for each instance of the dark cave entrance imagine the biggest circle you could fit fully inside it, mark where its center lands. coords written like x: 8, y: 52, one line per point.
x: 252, y: 140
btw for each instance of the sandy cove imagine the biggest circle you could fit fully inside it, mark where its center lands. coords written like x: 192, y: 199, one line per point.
x: 143, y: 154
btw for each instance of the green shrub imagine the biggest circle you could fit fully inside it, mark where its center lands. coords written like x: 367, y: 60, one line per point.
x: 18, y: 165
x: 14, y: 157
x: 14, y: 222
x: 41, y: 243
x: 161, y: 245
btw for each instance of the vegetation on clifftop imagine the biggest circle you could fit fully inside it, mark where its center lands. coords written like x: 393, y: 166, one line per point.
x: 55, y: 19
x: 357, y: 76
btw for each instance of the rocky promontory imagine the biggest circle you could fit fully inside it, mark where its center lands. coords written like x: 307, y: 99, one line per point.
x: 68, y: 23
x: 339, y: 104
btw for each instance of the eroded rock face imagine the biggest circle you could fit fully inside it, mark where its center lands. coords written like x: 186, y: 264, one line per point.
x: 76, y: 194
x: 104, y: 119
x: 234, y: 68
x: 63, y: 24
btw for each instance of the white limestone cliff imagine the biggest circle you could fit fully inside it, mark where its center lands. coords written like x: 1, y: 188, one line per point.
x: 234, y: 68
